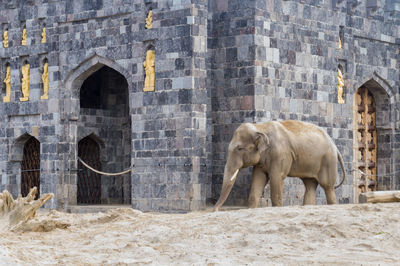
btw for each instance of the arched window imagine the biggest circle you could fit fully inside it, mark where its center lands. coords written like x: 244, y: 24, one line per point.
x: 30, y: 167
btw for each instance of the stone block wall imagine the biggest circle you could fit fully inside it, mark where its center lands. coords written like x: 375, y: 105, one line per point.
x: 168, y: 130
x: 169, y: 125
x: 294, y: 62
x: 38, y: 118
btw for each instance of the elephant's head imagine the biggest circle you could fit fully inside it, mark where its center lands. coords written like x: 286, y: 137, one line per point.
x: 244, y: 150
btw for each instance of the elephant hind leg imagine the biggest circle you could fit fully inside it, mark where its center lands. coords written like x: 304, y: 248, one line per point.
x: 309, y: 195
x: 327, y: 178
x: 259, y: 180
x: 330, y: 195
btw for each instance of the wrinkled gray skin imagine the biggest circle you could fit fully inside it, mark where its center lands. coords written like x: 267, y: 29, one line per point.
x: 281, y: 149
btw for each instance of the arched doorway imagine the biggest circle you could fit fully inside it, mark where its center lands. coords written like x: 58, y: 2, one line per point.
x: 89, y: 182
x: 373, y: 139
x: 366, y: 138
x: 30, y: 167
x: 104, y: 113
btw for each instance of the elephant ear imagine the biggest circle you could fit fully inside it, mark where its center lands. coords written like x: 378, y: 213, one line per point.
x: 261, y: 141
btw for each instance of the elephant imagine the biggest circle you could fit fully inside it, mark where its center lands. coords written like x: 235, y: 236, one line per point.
x: 277, y: 149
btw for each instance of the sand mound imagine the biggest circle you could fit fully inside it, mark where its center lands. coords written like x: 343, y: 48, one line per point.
x: 331, y: 235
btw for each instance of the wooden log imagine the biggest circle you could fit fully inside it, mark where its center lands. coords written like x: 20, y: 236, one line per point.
x: 379, y: 196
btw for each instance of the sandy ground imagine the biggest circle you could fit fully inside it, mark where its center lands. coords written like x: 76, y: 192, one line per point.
x: 321, y: 235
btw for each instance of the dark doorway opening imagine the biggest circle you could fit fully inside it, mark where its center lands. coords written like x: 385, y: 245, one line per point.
x: 89, y: 182
x: 104, y: 113
x: 105, y: 89
x: 30, y: 167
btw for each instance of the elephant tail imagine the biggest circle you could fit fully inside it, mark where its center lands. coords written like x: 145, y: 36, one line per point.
x: 342, y: 165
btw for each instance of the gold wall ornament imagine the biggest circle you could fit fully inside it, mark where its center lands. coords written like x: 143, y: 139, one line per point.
x: 5, y: 39
x: 44, y: 35
x: 45, y: 80
x: 25, y: 83
x: 340, y: 87
x: 340, y: 43
x: 149, y: 20
x: 7, y: 81
x: 24, y: 34
x: 149, y: 81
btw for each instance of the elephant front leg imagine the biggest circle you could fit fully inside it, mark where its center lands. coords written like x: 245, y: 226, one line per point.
x: 309, y: 195
x: 276, y: 184
x: 259, y: 180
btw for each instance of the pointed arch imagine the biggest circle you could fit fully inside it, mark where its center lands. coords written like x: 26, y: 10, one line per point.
x: 103, y: 129
x: 374, y: 127
x: 30, y: 167
x: 384, y: 98
x: 94, y: 137
x: 16, y: 151
x: 375, y: 78
x: 87, y: 67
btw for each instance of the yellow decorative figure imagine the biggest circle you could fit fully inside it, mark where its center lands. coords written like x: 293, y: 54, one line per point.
x: 149, y: 20
x: 148, y: 64
x: 25, y: 83
x: 340, y: 43
x: 44, y: 35
x: 340, y: 87
x: 5, y: 39
x: 24, y: 34
x: 7, y: 81
x: 45, y: 80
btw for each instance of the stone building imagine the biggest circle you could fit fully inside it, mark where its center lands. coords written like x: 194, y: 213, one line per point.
x: 217, y: 63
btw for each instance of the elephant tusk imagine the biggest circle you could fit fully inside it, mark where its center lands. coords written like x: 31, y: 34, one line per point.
x: 234, y: 175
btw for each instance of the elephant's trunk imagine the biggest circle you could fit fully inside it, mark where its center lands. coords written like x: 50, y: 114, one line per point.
x: 228, y: 182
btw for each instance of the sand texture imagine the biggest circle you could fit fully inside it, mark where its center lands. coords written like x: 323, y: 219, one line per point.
x: 365, y: 234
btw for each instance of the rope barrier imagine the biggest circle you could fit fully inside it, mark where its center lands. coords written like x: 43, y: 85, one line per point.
x: 129, y: 170
x: 103, y: 173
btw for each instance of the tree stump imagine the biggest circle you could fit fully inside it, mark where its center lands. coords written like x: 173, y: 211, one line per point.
x: 19, y: 211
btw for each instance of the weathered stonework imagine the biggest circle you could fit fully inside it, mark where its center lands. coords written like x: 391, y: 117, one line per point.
x: 218, y: 63
x: 280, y: 61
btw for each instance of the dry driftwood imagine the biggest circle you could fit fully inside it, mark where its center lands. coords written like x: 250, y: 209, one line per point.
x: 379, y: 196
x: 19, y: 211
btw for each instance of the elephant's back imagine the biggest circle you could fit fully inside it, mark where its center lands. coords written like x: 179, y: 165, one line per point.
x: 299, y: 127
x: 303, y: 135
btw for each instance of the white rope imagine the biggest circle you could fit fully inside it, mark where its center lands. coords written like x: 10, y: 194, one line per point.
x: 103, y: 173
